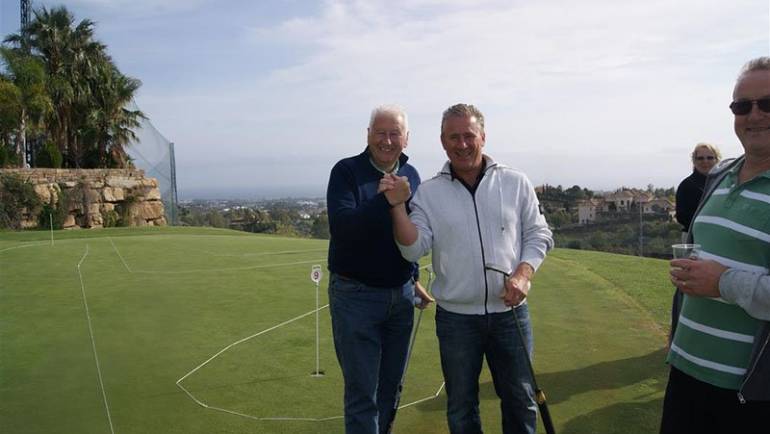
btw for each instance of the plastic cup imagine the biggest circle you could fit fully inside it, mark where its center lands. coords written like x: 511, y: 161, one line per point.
x: 685, y: 251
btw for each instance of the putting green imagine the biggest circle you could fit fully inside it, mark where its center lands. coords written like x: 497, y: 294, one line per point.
x: 163, y: 301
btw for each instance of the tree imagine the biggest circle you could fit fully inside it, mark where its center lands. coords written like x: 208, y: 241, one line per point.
x: 10, y: 110
x: 89, y: 121
x: 27, y: 75
x: 110, y: 124
x: 320, y: 228
x: 575, y: 193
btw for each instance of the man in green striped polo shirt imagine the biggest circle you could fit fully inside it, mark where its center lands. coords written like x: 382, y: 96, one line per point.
x: 720, y: 352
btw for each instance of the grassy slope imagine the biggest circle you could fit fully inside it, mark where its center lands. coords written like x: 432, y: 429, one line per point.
x: 599, y: 328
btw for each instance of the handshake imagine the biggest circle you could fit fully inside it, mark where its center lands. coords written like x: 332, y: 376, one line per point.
x: 396, y: 189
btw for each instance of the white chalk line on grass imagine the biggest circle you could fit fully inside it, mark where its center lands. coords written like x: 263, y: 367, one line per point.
x: 24, y: 246
x: 223, y: 350
x: 93, y: 341
x: 274, y: 418
x: 204, y: 405
x: 119, y: 255
x: 251, y: 267
x: 241, y: 255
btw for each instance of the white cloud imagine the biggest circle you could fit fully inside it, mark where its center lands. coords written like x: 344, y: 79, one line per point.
x: 598, y: 93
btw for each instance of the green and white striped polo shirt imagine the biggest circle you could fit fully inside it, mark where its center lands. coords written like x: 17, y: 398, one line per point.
x: 714, y: 338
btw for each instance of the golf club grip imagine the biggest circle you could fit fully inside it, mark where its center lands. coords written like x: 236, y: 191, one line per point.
x: 545, y: 414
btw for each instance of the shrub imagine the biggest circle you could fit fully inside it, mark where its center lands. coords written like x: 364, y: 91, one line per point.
x: 16, y: 196
x: 7, y: 157
x: 111, y: 219
x: 49, y: 156
x: 574, y: 244
x: 123, y: 211
x: 55, y: 214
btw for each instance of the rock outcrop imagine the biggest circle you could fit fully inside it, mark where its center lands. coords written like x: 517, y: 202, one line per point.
x: 96, y: 198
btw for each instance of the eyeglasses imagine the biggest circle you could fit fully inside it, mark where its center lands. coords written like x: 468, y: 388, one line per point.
x: 742, y: 108
x: 705, y: 157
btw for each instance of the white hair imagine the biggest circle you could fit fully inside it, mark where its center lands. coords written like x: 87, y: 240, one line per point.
x: 758, y: 64
x: 392, y: 110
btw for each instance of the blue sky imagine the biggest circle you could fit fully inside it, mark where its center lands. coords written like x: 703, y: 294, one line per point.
x: 262, y: 97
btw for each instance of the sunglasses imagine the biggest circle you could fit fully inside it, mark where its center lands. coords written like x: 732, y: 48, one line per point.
x: 742, y: 108
x: 705, y: 158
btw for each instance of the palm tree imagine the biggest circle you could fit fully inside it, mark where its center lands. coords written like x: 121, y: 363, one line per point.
x: 87, y: 90
x: 110, y: 122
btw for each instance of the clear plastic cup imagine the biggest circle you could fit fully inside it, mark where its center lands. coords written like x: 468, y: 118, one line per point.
x: 685, y: 251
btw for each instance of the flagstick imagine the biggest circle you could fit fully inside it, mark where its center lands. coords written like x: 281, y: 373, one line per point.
x: 315, y: 276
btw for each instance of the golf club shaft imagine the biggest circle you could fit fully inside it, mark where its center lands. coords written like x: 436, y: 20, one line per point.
x: 403, y: 376
x: 540, y: 399
x: 406, y: 365
x: 542, y: 404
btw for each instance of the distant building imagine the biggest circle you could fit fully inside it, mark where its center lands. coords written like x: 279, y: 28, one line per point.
x: 622, y: 201
x: 588, y: 209
x: 658, y: 205
x: 619, y: 201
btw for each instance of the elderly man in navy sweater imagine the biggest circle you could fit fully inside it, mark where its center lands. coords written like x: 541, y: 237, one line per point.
x: 372, y: 288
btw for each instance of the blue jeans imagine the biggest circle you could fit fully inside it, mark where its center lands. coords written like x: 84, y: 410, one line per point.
x: 371, y: 328
x: 464, y: 340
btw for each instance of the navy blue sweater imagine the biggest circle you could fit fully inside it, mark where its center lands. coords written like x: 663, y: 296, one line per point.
x: 362, y: 245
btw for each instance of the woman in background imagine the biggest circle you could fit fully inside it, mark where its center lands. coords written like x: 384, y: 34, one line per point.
x: 688, y: 194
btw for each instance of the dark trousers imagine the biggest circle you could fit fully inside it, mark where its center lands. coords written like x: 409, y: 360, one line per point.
x: 371, y: 328
x: 464, y: 341
x: 692, y: 406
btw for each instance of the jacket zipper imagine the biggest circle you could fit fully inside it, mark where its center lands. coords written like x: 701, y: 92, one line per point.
x: 751, y: 371
x: 483, y: 258
x: 481, y: 240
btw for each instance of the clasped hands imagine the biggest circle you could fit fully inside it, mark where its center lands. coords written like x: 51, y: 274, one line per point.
x: 396, y: 189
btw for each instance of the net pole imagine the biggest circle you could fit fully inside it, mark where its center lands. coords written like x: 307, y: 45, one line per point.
x: 174, y: 199
x: 50, y: 219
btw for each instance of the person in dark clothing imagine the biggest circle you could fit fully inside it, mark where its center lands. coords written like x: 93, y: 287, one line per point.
x: 688, y: 194
x: 371, y: 288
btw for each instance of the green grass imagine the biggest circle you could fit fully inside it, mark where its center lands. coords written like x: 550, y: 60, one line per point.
x: 163, y: 301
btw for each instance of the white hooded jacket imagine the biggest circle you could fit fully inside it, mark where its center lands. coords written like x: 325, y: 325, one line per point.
x: 499, y: 224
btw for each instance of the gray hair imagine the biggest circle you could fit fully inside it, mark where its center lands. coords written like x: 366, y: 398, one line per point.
x: 391, y: 110
x: 758, y: 64
x: 463, y: 110
x: 714, y: 150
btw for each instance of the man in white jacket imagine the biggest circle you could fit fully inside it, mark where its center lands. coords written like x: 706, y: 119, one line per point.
x: 476, y: 213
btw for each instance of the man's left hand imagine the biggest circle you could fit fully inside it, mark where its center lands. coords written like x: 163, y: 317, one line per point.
x: 423, y: 294
x: 516, y: 289
x: 699, y: 278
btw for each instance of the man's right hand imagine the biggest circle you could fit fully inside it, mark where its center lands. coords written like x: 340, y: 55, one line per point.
x: 396, y: 189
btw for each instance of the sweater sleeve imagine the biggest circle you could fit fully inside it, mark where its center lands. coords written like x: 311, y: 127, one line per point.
x: 348, y: 219
x: 536, y: 237
x: 424, y: 241
x: 751, y: 291
x: 415, y: 181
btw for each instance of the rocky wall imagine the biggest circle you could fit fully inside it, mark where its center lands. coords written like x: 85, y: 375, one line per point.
x: 95, y: 198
